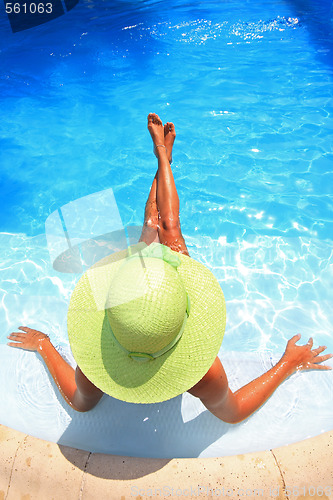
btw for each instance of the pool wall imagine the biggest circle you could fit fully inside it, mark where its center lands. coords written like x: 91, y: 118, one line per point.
x: 34, y: 469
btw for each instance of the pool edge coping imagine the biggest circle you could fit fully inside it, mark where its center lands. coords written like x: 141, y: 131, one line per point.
x: 41, y: 469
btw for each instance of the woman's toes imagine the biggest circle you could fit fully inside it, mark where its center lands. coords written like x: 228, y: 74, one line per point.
x: 169, y: 128
x: 158, y: 119
x: 153, y: 118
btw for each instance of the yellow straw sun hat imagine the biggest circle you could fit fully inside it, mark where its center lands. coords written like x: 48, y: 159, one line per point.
x: 146, y: 323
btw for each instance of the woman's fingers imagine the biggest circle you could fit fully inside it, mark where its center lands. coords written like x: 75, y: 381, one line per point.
x: 27, y: 338
x: 19, y: 340
x: 15, y: 344
x: 314, y: 366
x: 22, y: 335
x: 294, y: 339
x: 320, y: 359
x: 303, y: 357
x: 16, y: 336
x: 319, y: 349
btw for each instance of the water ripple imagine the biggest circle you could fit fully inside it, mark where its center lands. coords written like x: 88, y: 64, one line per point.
x: 200, y: 31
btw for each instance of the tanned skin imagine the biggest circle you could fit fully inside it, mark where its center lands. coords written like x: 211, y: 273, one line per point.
x: 161, y: 224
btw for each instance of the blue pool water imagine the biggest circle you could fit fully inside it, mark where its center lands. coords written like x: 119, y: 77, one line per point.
x: 249, y: 88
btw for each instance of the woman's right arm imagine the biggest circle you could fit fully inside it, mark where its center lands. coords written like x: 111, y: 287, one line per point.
x: 73, y: 385
x: 214, y: 392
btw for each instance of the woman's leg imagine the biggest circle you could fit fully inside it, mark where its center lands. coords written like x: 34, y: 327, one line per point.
x: 150, y: 224
x: 167, y: 200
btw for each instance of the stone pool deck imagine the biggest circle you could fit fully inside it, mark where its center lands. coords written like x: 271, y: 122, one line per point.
x: 32, y: 469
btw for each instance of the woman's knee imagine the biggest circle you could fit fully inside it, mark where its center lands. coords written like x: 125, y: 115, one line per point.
x: 170, y: 224
x: 170, y: 234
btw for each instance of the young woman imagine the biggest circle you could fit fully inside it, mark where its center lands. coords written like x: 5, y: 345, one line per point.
x: 161, y: 224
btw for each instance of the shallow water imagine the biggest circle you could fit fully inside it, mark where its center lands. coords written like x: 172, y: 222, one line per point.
x: 249, y: 87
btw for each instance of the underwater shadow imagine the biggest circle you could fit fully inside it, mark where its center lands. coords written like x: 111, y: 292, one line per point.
x: 147, y: 436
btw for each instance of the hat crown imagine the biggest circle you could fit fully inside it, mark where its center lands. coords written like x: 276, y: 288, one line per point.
x: 151, y: 303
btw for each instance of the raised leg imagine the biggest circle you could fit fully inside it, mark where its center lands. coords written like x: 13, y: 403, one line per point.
x: 150, y: 225
x: 167, y: 200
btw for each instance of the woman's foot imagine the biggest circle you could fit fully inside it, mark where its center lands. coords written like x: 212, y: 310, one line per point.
x: 156, y: 129
x: 161, y: 135
x: 169, y: 138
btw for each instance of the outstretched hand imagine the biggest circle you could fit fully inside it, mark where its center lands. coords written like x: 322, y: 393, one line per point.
x: 303, y: 357
x: 27, y: 338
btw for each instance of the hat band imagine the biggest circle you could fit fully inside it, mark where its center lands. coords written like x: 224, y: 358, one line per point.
x: 143, y: 356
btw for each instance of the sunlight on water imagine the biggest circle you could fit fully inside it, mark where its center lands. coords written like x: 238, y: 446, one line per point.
x: 249, y: 88
x: 274, y: 287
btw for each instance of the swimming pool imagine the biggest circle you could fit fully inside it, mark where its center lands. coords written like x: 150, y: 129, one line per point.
x: 249, y: 87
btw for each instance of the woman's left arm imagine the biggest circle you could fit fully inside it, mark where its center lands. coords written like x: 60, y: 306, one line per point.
x: 74, y: 386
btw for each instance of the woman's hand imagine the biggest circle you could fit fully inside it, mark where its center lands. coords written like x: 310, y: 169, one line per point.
x: 28, y: 338
x: 81, y: 396
x: 303, y: 357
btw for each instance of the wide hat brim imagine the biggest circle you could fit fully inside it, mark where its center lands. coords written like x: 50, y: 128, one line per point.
x: 110, y: 368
